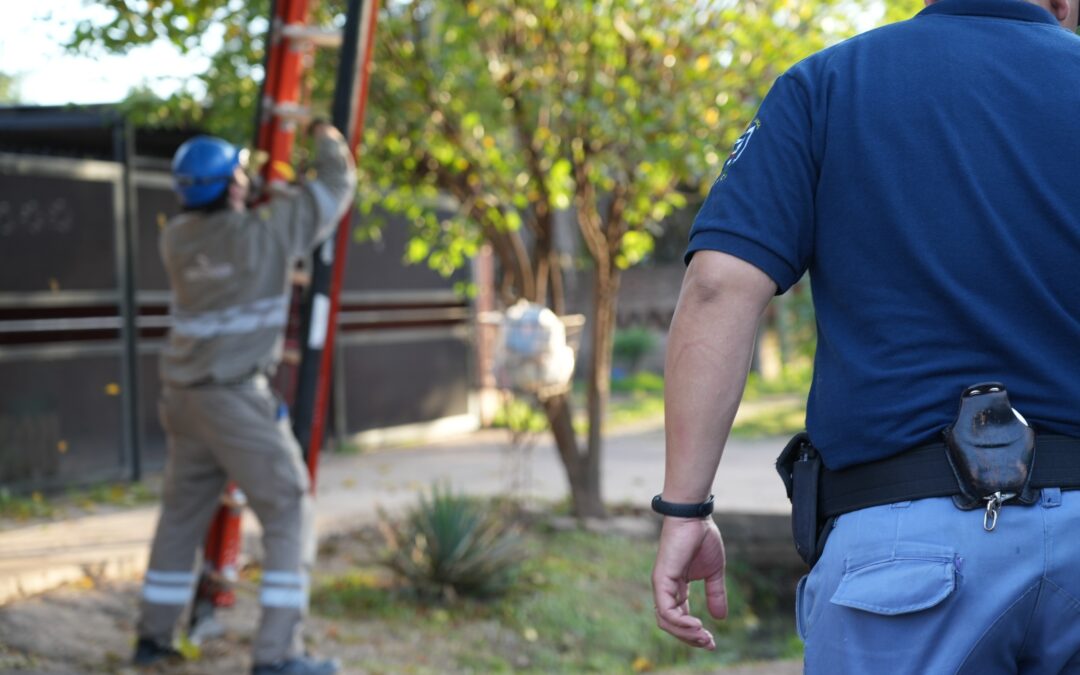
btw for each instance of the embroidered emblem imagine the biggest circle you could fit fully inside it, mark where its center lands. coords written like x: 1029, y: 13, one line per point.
x: 739, y: 147
x: 205, y: 270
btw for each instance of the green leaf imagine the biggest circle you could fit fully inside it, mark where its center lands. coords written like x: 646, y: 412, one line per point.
x: 636, y: 244
x: 417, y: 250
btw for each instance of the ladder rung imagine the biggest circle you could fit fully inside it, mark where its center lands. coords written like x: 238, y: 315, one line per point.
x: 320, y: 37
x: 292, y: 111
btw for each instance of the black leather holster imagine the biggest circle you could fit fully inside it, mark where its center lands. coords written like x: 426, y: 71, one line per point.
x: 990, y: 449
x: 799, y: 466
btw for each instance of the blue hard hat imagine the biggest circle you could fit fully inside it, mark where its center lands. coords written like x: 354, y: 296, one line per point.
x: 202, y: 169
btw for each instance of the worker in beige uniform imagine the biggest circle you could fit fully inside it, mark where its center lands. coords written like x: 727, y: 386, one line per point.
x: 229, y: 267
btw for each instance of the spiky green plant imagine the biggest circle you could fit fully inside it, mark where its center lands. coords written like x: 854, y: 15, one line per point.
x: 450, y: 545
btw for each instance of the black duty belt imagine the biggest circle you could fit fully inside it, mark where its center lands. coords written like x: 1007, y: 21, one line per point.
x: 924, y: 472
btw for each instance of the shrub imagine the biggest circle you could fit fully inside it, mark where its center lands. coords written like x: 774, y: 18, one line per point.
x: 450, y: 545
x: 794, y: 379
x: 519, y: 416
x: 639, y: 383
x: 632, y: 345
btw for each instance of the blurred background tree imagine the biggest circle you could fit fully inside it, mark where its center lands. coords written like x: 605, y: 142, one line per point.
x: 9, y: 88
x: 898, y: 10
x: 610, y: 111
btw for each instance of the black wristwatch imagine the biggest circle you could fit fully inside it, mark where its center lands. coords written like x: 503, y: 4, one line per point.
x: 702, y: 510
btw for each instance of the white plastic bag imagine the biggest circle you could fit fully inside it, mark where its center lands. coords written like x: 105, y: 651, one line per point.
x: 531, y: 355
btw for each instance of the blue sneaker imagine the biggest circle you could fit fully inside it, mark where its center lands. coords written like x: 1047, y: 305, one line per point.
x: 301, y: 665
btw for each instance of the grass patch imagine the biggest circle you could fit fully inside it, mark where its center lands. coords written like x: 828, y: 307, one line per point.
x: 519, y: 415
x: 793, y: 379
x: 36, y: 505
x: 583, y: 605
x: 635, y: 407
x: 361, y: 593
x: 634, y: 399
x: 21, y: 508
x: 775, y: 408
x: 782, y: 417
x: 640, y: 382
x: 770, y: 407
x: 112, y: 494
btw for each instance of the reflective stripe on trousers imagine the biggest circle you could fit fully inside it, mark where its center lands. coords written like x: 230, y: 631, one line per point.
x: 168, y: 588
x: 284, y: 589
x: 215, y: 433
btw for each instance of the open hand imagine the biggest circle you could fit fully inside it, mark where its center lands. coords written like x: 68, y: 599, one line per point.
x: 690, y: 549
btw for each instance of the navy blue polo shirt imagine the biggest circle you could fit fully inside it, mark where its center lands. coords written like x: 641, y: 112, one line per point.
x: 927, y: 175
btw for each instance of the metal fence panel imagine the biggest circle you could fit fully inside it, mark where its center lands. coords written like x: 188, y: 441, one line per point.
x: 57, y: 225
x: 402, y: 377
x: 63, y: 398
x: 60, y: 417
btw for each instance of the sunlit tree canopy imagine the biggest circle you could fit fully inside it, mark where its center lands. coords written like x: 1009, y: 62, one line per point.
x: 488, y: 117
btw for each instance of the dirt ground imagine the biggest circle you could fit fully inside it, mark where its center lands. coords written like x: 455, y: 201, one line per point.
x: 82, y: 631
x: 88, y: 628
x: 75, y: 630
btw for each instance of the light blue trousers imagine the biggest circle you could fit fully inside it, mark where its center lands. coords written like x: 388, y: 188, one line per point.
x: 920, y: 587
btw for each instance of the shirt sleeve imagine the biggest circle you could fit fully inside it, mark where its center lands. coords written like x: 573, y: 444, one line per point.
x: 305, y: 216
x: 761, y: 207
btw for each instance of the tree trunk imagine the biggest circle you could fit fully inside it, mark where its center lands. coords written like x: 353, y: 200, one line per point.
x: 558, y: 292
x: 542, y: 266
x: 584, y: 485
x: 602, y: 332
x: 583, y: 464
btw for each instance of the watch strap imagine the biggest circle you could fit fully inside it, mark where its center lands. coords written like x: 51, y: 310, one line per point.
x: 700, y: 510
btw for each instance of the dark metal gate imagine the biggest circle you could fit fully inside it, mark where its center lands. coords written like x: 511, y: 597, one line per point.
x: 65, y: 397
x: 84, y: 305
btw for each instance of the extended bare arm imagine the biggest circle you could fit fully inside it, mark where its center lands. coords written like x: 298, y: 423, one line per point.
x: 708, y: 356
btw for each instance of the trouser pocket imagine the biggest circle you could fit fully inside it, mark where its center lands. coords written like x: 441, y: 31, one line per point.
x: 800, y: 607
x: 902, y: 580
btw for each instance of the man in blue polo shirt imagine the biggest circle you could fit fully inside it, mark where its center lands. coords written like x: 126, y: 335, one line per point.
x: 927, y: 175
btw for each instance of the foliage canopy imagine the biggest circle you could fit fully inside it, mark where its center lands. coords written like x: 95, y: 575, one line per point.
x: 562, y: 134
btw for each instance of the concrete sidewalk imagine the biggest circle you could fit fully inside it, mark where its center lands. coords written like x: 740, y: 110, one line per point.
x: 351, y: 489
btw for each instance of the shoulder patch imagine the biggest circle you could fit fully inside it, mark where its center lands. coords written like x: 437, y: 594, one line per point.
x: 739, y: 147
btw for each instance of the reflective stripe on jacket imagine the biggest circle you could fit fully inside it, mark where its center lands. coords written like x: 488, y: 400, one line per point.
x: 229, y: 272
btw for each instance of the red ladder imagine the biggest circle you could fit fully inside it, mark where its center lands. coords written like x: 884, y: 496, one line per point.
x: 280, y: 113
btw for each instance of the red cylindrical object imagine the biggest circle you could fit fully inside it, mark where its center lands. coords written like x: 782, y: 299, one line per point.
x: 222, y: 550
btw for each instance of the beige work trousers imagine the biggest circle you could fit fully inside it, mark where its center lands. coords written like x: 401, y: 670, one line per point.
x: 215, y: 433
